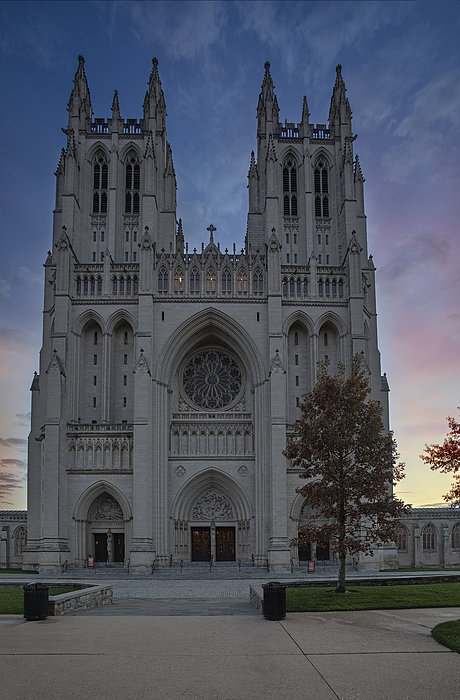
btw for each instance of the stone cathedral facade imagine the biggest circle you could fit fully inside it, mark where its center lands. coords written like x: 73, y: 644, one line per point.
x: 170, y: 378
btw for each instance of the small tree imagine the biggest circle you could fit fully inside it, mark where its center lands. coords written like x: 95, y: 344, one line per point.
x: 446, y: 458
x: 350, y: 464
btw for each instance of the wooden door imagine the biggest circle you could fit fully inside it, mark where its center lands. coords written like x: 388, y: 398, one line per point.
x: 225, y: 544
x: 201, y: 544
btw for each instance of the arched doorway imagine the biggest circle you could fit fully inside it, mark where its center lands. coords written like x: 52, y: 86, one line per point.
x: 107, y: 531
x: 102, y: 525
x: 212, y: 517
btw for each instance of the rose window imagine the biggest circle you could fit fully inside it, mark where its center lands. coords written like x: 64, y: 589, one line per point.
x: 212, y: 379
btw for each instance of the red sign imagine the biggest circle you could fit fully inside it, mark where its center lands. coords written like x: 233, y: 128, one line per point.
x: 311, y: 567
x: 90, y: 561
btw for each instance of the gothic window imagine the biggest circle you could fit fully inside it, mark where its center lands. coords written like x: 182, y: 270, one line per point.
x: 328, y: 288
x: 258, y: 286
x: 334, y: 288
x: 456, y: 536
x: 242, y: 282
x: 226, y: 281
x: 401, y: 538
x: 290, y: 188
x: 178, y: 280
x: 291, y: 286
x: 296, y: 338
x: 321, y: 184
x: 429, y: 538
x: 163, y: 280
x: 210, y: 281
x: 20, y: 540
x: 305, y: 286
x: 285, y: 287
x: 340, y: 288
x: 299, y: 286
x: 212, y: 379
x: 100, y: 183
x: 194, y: 281
x: 132, y: 185
x: 320, y: 287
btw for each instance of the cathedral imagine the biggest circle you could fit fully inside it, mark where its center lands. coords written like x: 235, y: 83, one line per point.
x: 169, y: 378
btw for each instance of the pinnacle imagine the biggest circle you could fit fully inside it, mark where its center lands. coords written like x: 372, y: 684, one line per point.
x: 115, y: 103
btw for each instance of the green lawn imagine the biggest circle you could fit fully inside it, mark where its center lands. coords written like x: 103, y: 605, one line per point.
x: 421, y: 595
x: 448, y: 634
x: 12, y: 599
x: 17, y: 571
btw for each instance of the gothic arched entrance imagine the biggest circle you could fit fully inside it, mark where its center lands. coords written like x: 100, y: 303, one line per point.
x: 211, y: 520
x: 107, y: 531
x: 103, y: 525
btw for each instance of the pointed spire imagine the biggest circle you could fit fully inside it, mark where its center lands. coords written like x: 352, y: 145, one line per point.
x: 358, y: 171
x: 115, y: 106
x: 180, y: 238
x: 79, y: 104
x: 271, y: 154
x: 339, y: 111
x: 149, y: 150
x: 169, y: 161
x: 305, y: 111
x: 61, y: 163
x: 154, y: 102
x: 252, y: 166
x: 267, y: 84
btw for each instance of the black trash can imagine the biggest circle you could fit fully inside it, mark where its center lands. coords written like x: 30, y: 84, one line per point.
x: 36, y: 601
x: 274, y: 604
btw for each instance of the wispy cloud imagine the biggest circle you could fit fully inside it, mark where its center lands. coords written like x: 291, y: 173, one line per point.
x: 184, y: 30
x: 425, y: 134
x: 12, y: 442
x: 29, y: 30
x: 4, y: 289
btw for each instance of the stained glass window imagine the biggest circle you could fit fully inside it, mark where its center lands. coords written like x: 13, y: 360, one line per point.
x: 212, y: 379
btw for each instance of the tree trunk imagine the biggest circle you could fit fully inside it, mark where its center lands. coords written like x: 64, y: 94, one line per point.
x: 341, y: 574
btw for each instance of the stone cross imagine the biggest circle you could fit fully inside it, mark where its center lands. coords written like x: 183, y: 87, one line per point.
x: 211, y: 230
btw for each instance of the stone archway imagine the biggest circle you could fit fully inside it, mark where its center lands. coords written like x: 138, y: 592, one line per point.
x: 103, y: 526
x: 211, y: 516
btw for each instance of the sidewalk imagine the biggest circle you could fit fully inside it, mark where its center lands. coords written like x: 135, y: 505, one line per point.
x: 367, y: 655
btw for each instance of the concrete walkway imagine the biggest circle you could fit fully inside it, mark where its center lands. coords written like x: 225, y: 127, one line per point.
x: 369, y: 655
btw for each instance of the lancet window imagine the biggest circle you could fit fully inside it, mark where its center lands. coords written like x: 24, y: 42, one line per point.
x: 226, y: 281
x: 195, y: 281
x: 258, y: 282
x: 132, y: 185
x: 100, y: 184
x: 163, y: 280
x: 290, y: 188
x: 210, y: 281
x: 321, y: 181
x: 429, y: 538
x: 242, y: 282
x: 178, y: 280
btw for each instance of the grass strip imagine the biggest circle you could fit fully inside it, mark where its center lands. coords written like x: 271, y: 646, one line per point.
x: 429, y: 595
x: 12, y: 599
x: 448, y: 634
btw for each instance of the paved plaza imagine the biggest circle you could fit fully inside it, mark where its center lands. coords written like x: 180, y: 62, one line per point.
x: 370, y: 655
x: 201, y: 639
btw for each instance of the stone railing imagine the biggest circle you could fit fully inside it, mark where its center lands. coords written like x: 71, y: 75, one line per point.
x: 100, y: 447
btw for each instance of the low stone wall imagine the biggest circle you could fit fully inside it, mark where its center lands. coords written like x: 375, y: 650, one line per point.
x: 83, y: 599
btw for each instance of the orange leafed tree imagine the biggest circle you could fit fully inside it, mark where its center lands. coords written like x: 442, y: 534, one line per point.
x: 349, y: 464
x: 446, y: 458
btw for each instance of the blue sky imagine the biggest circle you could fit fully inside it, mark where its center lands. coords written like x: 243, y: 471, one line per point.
x: 401, y: 67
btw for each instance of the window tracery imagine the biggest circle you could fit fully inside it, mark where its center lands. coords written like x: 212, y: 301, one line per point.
x: 132, y: 185
x: 212, y: 379
x: 290, y: 188
x: 100, y: 184
x: 321, y: 183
